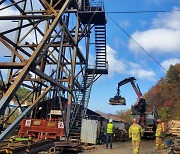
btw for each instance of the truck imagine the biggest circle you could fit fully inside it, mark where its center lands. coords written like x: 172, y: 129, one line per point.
x: 147, y: 120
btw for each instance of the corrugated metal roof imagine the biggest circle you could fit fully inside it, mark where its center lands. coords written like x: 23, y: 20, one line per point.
x: 111, y: 116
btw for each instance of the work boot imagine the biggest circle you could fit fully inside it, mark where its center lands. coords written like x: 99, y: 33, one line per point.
x: 106, y: 146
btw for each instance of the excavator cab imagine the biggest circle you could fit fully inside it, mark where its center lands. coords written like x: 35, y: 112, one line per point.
x: 117, y: 100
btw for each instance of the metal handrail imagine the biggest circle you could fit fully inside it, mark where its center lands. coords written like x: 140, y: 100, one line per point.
x: 92, y: 5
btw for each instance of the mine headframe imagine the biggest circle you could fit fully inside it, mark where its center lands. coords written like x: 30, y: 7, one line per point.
x: 42, y: 44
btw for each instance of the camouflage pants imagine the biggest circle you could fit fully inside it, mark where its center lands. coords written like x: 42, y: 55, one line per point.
x: 136, y: 146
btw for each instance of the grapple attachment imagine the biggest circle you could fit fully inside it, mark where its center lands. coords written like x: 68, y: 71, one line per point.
x: 117, y: 100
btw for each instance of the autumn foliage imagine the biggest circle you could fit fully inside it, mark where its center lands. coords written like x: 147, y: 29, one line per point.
x: 165, y: 95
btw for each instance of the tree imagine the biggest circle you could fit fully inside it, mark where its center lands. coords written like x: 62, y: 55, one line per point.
x: 165, y: 95
x: 22, y: 93
x: 173, y: 74
x: 163, y: 113
x: 125, y: 115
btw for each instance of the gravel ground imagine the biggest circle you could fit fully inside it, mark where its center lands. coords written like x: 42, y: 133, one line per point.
x: 147, y: 147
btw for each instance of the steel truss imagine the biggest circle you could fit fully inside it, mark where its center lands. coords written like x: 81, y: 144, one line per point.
x: 40, y: 51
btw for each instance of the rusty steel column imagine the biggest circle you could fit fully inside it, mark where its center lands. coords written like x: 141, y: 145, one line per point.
x: 73, y: 64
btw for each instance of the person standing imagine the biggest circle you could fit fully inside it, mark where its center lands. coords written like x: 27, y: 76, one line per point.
x: 135, y: 132
x: 158, y: 135
x: 109, y: 133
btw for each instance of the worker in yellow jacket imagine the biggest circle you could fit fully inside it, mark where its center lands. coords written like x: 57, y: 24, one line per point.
x: 159, y: 131
x: 109, y: 133
x: 135, y: 132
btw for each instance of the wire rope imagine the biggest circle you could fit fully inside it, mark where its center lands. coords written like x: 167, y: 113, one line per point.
x: 136, y: 42
x: 126, y: 12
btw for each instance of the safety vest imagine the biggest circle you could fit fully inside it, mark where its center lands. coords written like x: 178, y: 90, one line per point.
x: 158, y: 130
x: 109, y: 128
x: 135, y: 132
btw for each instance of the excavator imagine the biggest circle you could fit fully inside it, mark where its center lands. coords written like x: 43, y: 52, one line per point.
x: 146, y: 119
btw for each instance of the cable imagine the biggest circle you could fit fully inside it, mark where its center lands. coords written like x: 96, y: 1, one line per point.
x: 123, y: 12
x: 136, y: 42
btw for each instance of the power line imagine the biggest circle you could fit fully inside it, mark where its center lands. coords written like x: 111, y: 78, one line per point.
x: 136, y: 42
x: 126, y: 12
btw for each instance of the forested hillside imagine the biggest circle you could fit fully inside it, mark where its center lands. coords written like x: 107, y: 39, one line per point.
x: 165, y: 95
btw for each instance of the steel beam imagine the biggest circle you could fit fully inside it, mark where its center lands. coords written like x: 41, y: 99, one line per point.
x: 14, y: 65
x: 7, y: 131
x: 7, y: 97
x: 27, y: 17
x: 73, y: 66
x: 50, y: 79
x: 56, y: 44
x: 12, y: 50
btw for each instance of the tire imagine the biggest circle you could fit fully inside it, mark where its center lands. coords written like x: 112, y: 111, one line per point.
x: 52, y: 150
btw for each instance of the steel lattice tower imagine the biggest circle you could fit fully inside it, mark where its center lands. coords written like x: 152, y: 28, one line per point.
x: 41, y: 51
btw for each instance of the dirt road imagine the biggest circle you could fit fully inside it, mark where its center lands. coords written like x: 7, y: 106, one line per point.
x: 147, y: 147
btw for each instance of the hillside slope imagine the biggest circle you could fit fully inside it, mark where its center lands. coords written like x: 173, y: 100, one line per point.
x: 165, y: 95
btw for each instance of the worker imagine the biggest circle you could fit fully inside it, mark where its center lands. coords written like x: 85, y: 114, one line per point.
x: 109, y: 133
x: 159, y: 131
x: 135, y: 132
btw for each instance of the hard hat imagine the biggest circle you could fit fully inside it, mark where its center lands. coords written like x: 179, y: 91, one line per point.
x: 110, y: 120
x: 134, y: 120
x: 159, y: 121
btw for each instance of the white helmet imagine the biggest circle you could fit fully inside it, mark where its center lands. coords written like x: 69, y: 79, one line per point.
x: 110, y: 120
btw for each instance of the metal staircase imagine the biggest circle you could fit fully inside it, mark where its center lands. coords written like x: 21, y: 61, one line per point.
x: 100, y: 46
x: 80, y: 108
x: 90, y: 13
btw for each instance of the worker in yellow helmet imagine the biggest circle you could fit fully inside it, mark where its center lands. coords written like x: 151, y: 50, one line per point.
x: 135, y: 132
x: 109, y: 133
x: 159, y: 131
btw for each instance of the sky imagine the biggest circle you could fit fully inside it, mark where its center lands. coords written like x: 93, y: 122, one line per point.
x: 157, y: 33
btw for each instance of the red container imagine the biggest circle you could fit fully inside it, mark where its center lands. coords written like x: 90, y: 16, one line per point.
x: 40, y: 128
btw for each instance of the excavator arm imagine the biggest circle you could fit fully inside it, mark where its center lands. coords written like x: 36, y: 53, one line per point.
x: 118, y: 100
x: 135, y: 87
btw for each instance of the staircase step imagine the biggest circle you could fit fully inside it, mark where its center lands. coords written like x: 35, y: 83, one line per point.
x: 99, y: 41
x: 97, y: 31
x: 100, y: 34
x: 74, y: 136
x: 99, y: 26
x: 98, y: 52
x: 100, y: 37
x: 101, y: 62
x: 101, y: 48
x: 75, y: 130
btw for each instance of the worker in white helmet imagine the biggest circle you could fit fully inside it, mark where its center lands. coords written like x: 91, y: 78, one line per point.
x: 109, y: 133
